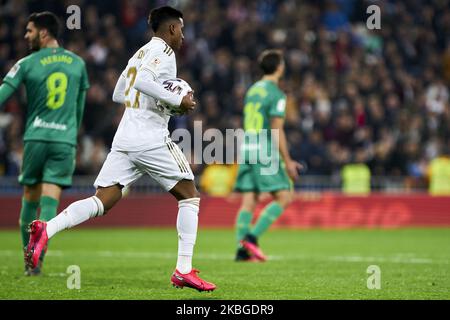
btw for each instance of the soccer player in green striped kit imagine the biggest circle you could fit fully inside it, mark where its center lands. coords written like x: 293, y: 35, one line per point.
x: 56, y: 82
x: 264, y: 111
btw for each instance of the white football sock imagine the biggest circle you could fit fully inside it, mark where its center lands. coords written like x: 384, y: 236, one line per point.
x: 187, y: 222
x: 73, y: 215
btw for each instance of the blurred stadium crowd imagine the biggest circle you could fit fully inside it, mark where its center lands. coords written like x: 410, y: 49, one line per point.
x: 354, y: 95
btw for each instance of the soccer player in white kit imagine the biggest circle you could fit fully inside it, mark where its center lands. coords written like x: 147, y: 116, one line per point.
x: 142, y: 146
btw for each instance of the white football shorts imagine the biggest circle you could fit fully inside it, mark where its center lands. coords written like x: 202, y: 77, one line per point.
x: 167, y: 165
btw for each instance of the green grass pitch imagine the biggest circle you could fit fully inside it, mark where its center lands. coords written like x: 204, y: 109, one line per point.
x: 313, y: 264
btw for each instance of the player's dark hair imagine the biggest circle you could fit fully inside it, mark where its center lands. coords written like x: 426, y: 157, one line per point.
x: 162, y: 14
x: 46, y: 20
x: 269, y: 60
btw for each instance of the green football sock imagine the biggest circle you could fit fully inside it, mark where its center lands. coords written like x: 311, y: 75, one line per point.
x: 243, y: 221
x: 28, y: 213
x: 49, y: 207
x: 270, y: 213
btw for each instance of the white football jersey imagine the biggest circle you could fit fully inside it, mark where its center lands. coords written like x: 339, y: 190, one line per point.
x: 144, y: 125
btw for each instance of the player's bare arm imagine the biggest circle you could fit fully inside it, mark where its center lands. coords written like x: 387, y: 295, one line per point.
x: 292, y: 167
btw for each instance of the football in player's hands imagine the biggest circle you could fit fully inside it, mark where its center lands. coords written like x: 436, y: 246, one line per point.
x: 181, y: 88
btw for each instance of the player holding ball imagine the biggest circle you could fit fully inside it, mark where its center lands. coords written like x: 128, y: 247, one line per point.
x: 142, y: 146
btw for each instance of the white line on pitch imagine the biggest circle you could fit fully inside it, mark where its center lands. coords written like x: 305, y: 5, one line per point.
x: 400, y: 258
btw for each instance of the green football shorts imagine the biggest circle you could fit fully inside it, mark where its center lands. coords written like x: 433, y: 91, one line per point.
x: 47, y: 162
x: 251, y: 178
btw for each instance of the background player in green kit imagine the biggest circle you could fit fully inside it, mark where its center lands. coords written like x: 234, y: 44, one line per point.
x: 264, y: 110
x: 56, y: 82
